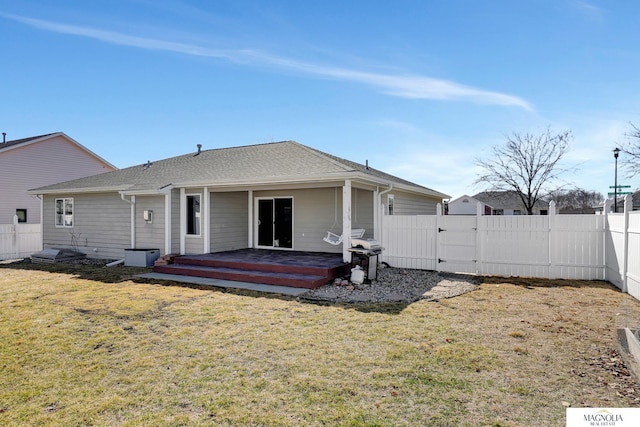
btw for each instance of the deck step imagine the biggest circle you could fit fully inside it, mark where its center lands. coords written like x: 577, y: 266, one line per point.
x: 261, y: 266
x: 245, y: 275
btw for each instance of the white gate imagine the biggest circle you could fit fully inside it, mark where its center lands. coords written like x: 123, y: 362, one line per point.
x: 457, y: 244
x: 19, y: 240
x: 553, y: 246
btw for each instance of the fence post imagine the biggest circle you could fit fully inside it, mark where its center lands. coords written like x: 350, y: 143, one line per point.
x: 625, y: 256
x: 16, y: 249
x: 479, y: 238
x: 552, y: 240
x: 437, y: 234
x: 607, y: 237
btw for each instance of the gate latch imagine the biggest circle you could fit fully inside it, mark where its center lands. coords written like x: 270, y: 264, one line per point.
x: 441, y: 229
x: 441, y: 260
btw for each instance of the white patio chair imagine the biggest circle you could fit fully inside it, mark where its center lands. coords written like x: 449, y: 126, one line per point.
x: 336, y: 239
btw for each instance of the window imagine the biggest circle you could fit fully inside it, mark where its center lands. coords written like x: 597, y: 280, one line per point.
x: 465, y: 200
x: 64, y: 212
x: 193, y: 214
x: 498, y: 212
x: 544, y: 212
x: 22, y: 215
x: 390, y: 204
x: 517, y: 212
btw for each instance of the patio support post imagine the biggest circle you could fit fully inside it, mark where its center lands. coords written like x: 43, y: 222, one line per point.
x: 250, y: 215
x: 346, y: 220
x: 167, y: 222
x: 183, y: 221
x: 207, y: 220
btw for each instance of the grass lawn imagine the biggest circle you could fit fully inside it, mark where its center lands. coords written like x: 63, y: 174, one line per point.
x: 83, y: 345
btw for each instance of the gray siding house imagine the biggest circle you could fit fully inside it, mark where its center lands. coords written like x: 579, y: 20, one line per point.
x: 494, y: 203
x: 281, y: 195
x: 36, y: 161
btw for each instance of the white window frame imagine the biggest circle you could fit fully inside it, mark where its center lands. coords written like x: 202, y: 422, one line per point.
x: 64, y: 219
x: 390, y: 204
x: 198, y: 215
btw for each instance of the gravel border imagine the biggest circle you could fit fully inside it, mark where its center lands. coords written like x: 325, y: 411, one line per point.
x: 396, y: 285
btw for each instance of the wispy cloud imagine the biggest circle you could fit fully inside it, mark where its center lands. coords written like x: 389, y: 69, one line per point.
x: 403, y: 86
x: 588, y: 9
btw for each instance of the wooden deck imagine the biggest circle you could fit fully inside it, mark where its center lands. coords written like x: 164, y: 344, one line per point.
x: 270, y: 267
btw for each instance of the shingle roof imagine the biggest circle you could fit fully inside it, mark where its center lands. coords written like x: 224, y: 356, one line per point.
x: 263, y: 163
x: 504, y: 200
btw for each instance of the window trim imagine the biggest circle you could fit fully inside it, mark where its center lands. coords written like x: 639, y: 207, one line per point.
x: 198, y: 215
x: 64, y: 216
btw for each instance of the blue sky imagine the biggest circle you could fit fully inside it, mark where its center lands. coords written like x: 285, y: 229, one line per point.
x: 417, y: 88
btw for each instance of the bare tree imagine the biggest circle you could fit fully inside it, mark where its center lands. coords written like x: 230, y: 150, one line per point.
x: 576, y: 200
x: 526, y: 164
x: 631, y: 150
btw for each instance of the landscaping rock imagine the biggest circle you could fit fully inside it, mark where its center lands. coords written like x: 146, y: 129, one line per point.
x: 397, y: 285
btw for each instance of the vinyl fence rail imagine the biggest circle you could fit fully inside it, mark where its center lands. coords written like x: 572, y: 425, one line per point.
x: 583, y: 247
x: 19, y: 240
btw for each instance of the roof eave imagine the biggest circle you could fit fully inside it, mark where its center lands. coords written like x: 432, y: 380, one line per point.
x: 259, y: 182
x: 46, y: 192
x: 421, y: 190
x: 55, y: 135
x: 166, y: 189
x: 359, y: 176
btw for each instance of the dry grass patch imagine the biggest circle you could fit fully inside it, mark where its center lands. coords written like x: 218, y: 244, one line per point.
x: 76, y: 348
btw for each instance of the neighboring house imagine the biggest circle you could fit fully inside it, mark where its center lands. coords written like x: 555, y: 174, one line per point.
x: 635, y: 203
x: 36, y: 161
x: 467, y: 205
x: 494, y: 203
x: 280, y: 195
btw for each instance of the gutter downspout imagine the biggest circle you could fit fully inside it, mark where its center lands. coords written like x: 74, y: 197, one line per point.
x: 132, y: 202
x: 41, y: 197
x: 378, y: 231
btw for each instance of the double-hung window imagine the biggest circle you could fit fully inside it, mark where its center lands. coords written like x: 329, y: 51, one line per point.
x: 64, y: 212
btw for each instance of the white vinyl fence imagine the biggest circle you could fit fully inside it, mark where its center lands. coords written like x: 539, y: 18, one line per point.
x: 19, y: 240
x: 584, y: 247
x: 622, y: 242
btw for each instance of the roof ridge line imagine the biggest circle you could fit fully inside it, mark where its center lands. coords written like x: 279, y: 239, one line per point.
x: 332, y: 159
